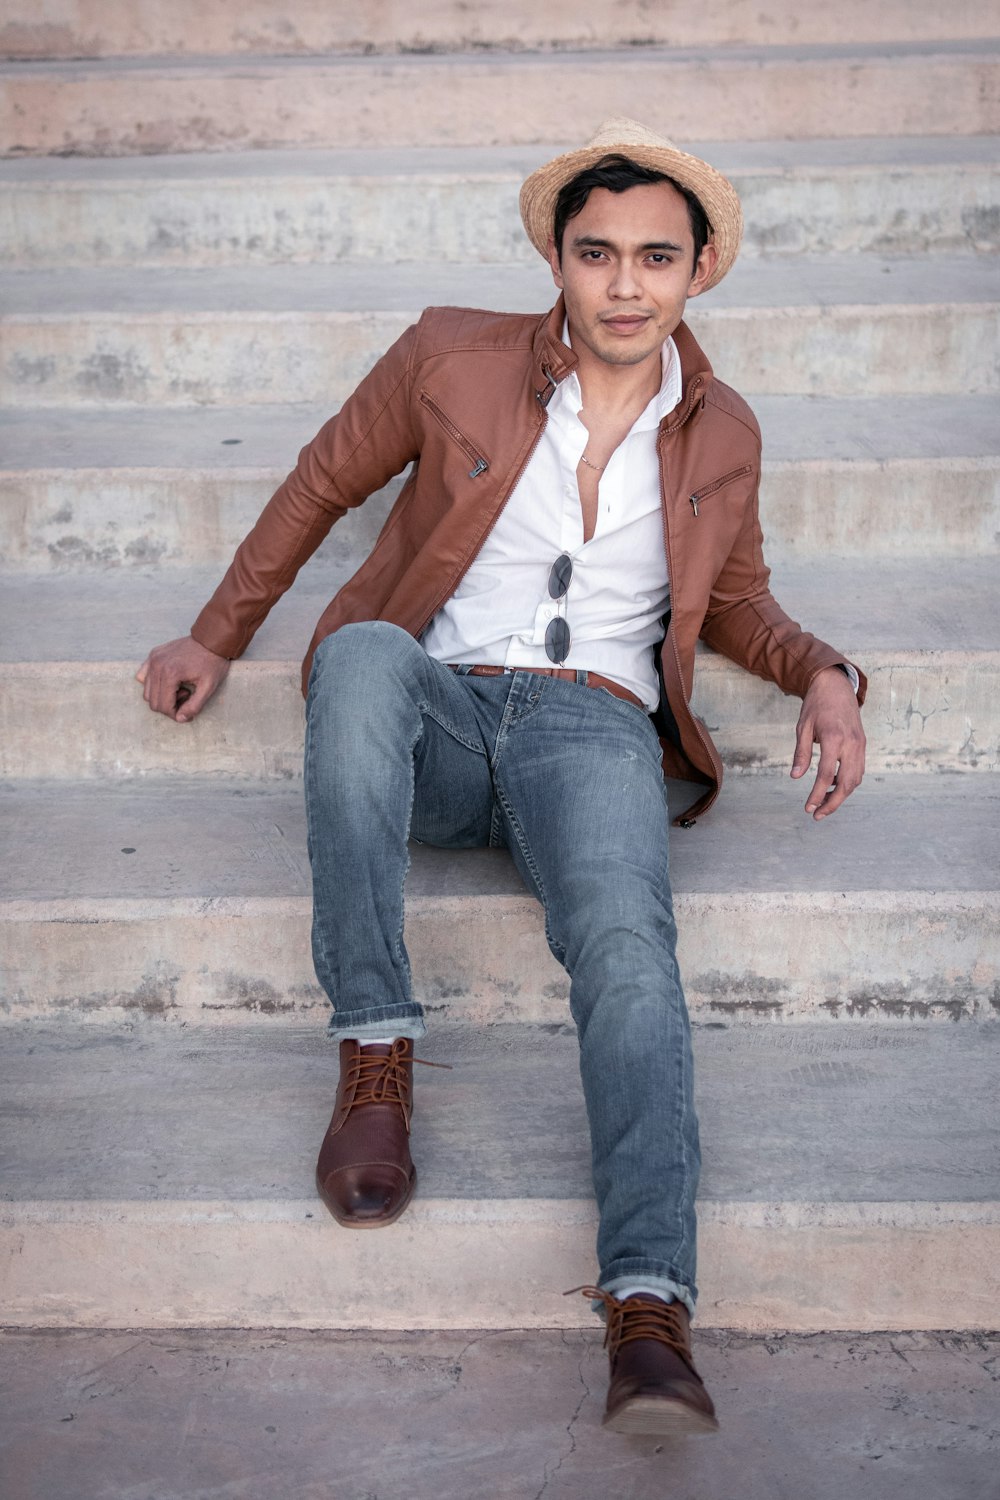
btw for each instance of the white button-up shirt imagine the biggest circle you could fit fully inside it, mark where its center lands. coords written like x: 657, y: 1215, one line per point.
x: 619, y: 591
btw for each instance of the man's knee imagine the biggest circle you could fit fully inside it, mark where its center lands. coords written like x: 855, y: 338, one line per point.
x: 364, y: 646
x: 360, y: 666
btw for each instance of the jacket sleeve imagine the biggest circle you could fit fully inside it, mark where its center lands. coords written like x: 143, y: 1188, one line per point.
x: 745, y: 622
x: 370, y: 440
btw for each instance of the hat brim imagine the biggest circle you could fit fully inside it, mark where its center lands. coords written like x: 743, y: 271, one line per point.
x: 714, y: 192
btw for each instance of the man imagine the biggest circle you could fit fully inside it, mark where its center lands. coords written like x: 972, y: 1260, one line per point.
x: 512, y: 665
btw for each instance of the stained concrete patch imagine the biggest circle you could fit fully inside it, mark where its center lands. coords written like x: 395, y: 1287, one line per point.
x: 496, y: 1416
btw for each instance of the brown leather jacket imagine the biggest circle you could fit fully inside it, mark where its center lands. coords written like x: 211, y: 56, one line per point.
x: 461, y: 396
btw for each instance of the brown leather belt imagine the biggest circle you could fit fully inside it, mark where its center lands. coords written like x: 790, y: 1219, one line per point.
x: 564, y: 674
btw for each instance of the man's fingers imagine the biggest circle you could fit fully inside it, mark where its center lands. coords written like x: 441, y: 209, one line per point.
x: 191, y: 697
x: 803, y: 746
x: 179, y: 677
x: 826, y: 779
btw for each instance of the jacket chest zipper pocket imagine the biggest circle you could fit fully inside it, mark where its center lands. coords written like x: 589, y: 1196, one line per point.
x: 710, y: 489
x: 479, y: 463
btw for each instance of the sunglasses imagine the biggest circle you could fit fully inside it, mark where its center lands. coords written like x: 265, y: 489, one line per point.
x: 558, y: 637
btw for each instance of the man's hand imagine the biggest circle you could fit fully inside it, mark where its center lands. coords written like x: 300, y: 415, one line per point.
x: 831, y: 718
x: 179, y: 678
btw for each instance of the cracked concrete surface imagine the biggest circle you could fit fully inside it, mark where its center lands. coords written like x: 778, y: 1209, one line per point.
x: 235, y: 1415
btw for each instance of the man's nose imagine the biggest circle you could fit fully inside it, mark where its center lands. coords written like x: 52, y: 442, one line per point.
x: 624, y: 281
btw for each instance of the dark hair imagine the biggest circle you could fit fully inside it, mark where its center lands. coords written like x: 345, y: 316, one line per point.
x: 618, y: 173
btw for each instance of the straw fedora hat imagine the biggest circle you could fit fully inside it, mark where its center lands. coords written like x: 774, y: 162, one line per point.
x: 714, y: 192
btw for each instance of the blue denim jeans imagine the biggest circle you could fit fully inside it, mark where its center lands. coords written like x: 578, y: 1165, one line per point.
x: 569, y: 779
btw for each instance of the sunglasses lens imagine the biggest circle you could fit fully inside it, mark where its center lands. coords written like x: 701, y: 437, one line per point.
x: 560, y: 576
x: 557, y: 640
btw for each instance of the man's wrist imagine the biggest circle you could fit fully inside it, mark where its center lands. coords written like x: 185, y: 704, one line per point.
x: 851, y: 673
x: 845, y: 669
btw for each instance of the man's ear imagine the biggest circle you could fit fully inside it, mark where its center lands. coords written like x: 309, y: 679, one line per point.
x: 554, y: 264
x: 707, y: 262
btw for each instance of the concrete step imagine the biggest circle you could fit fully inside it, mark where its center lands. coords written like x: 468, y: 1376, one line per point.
x: 819, y: 325
x: 128, y: 106
x: 189, y: 901
x: 69, y: 29
x: 926, y: 634
x: 897, y: 476
x: 886, y: 196
x: 164, y: 1179
x: 512, y: 1414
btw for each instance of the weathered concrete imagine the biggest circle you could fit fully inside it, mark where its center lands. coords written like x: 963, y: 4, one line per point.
x: 118, y: 516
x: 821, y: 326
x: 471, y: 1416
x: 891, y: 1130
x: 83, y: 28
x: 223, y: 958
x: 127, y: 106
x: 185, y: 901
x: 894, y: 198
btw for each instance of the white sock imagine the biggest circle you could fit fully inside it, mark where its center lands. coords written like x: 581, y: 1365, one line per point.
x: 644, y: 1291
x: 374, y: 1041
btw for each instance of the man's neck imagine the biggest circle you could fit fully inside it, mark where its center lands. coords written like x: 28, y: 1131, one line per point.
x: 616, y: 389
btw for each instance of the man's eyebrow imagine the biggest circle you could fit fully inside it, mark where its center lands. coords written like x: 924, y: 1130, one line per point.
x: 592, y: 242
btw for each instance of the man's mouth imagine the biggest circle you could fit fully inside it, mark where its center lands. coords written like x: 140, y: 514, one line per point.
x: 626, y: 322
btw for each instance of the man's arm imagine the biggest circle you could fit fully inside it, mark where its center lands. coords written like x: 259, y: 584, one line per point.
x: 358, y: 451
x: 745, y: 623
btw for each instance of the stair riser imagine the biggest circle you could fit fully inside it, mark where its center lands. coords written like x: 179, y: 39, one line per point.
x: 913, y: 957
x: 463, y: 218
x: 104, y: 111
x: 502, y: 1264
x: 933, y: 711
x: 177, y: 359
x: 123, y: 518
x: 70, y: 28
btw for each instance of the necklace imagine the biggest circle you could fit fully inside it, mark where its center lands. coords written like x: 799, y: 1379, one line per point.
x: 585, y: 460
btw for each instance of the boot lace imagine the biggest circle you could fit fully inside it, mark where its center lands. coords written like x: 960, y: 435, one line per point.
x: 633, y: 1319
x: 383, y: 1078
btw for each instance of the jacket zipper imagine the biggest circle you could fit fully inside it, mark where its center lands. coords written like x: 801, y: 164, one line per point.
x: 699, y: 730
x: 710, y: 489
x: 480, y: 464
x: 454, y: 582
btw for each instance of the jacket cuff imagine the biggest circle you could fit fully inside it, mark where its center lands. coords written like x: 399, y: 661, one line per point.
x: 214, y: 638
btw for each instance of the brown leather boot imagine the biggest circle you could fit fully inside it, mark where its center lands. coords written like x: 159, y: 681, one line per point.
x: 365, y: 1175
x: 655, y: 1388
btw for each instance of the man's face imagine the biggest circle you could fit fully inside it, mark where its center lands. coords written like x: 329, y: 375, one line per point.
x: 626, y: 271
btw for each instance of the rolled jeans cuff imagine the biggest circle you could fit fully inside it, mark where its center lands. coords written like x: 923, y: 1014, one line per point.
x: 653, y: 1279
x: 385, y: 1021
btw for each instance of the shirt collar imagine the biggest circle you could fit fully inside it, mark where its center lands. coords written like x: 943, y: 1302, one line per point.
x: 662, y: 404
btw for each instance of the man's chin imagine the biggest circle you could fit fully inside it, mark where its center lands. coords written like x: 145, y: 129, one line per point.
x: 628, y: 355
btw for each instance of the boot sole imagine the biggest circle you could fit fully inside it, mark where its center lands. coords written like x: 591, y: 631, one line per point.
x: 655, y: 1416
x: 381, y: 1223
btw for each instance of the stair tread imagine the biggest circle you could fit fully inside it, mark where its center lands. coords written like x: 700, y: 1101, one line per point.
x: 795, y: 429
x: 863, y: 607
x: 357, y: 288
x: 796, y: 1115
x: 902, y: 838
x: 779, y: 157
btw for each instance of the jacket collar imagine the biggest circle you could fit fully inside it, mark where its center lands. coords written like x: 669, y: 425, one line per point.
x: 553, y: 361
